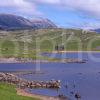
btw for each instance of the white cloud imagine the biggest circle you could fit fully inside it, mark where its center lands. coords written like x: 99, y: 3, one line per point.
x: 6, y: 3
x: 91, y: 25
x: 23, y: 7
x: 29, y: 7
x: 88, y: 6
x: 91, y: 7
x: 49, y: 1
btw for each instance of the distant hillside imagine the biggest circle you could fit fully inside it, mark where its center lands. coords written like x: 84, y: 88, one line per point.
x: 13, y: 22
x: 97, y: 30
x: 41, y: 23
x: 12, y: 42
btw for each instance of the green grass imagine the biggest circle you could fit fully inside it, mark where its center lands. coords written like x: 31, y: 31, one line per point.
x: 8, y: 92
x: 14, y: 43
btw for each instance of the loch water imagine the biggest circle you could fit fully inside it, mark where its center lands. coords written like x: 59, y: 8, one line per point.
x: 82, y: 78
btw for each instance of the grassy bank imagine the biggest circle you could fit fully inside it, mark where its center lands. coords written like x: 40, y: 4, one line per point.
x: 28, y: 43
x: 8, y: 92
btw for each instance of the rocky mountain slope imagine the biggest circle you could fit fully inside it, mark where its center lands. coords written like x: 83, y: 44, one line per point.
x: 14, y: 22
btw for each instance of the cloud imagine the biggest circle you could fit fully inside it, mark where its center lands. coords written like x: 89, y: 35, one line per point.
x: 91, y: 25
x: 48, y: 1
x: 23, y: 7
x: 30, y: 8
x: 26, y: 7
x: 89, y: 7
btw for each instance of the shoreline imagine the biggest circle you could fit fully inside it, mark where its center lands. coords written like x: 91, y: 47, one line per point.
x: 75, y: 52
x: 22, y: 92
x: 14, y: 60
x: 12, y: 79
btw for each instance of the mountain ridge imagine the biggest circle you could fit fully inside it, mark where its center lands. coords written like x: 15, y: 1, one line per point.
x: 13, y: 22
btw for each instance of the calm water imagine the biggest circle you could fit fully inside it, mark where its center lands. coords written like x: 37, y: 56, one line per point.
x: 85, y: 77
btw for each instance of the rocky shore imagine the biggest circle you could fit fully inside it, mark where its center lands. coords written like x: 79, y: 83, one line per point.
x: 21, y: 60
x: 22, y: 83
x: 28, y: 60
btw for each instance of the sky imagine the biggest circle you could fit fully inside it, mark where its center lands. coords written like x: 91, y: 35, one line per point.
x: 64, y: 13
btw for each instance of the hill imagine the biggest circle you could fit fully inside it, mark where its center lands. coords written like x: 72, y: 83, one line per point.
x: 97, y: 30
x: 14, y: 22
x: 26, y: 43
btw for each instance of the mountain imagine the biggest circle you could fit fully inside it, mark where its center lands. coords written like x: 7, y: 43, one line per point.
x: 97, y: 30
x: 14, y: 22
x: 43, y: 23
x: 8, y: 21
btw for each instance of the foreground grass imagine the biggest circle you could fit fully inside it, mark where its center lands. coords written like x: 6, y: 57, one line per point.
x: 8, y: 92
